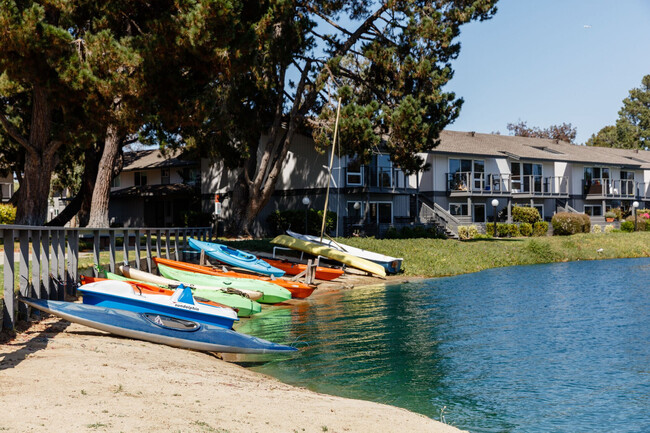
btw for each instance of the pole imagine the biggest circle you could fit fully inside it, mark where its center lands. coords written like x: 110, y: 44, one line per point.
x: 329, y: 174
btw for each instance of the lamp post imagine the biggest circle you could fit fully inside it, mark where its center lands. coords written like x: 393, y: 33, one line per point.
x: 306, y: 201
x: 495, y: 203
x: 634, y: 206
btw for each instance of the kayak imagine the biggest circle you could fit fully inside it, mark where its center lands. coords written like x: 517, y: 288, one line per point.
x: 137, y: 274
x: 291, y: 268
x: 235, y: 257
x: 330, y: 253
x: 128, y: 296
x: 245, y: 307
x: 158, y: 328
x: 297, y: 289
x: 391, y: 264
x: 272, y: 294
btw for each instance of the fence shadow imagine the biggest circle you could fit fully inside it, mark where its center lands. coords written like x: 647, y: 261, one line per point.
x: 27, y: 341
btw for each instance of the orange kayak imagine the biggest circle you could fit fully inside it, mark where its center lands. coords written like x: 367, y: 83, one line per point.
x: 322, y: 273
x: 149, y: 289
x: 297, y: 289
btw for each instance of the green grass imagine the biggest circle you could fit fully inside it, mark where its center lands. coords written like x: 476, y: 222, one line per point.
x: 442, y: 257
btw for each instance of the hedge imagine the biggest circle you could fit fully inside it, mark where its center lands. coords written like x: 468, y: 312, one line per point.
x: 522, y: 214
x: 7, y: 214
x: 540, y: 228
x: 568, y: 223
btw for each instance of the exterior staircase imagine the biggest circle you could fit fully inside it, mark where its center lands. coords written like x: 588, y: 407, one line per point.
x: 562, y: 205
x: 433, y: 213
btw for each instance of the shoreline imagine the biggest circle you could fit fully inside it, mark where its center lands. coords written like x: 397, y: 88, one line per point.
x: 59, y: 376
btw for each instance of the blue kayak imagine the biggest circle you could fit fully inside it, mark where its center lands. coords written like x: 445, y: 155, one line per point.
x: 158, y: 328
x: 234, y: 257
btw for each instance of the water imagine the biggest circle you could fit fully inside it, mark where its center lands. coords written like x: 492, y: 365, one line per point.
x: 547, y: 348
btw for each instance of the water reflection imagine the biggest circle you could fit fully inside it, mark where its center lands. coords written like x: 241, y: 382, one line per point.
x: 540, y: 348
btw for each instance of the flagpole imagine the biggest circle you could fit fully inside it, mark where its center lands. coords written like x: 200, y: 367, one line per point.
x: 329, y: 171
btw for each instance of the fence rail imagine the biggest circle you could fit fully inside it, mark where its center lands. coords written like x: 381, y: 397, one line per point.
x: 51, y: 270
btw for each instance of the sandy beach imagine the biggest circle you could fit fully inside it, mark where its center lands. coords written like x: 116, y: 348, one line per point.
x: 57, y: 376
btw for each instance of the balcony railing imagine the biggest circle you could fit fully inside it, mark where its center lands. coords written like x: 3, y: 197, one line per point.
x: 613, y: 188
x: 467, y: 183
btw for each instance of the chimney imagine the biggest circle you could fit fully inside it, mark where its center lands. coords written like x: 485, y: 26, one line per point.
x: 472, y: 133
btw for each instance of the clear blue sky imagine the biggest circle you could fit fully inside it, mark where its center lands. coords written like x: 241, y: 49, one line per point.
x: 551, y: 61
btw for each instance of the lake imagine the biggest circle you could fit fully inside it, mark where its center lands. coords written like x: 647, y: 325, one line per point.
x: 547, y: 348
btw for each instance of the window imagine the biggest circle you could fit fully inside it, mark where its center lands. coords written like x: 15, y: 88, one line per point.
x: 627, y: 182
x: 465, y: 174
x: 381, y: 212
x: 354, y: 172
x: 596, y: 180
x: 164, y: 176
x: 116, y: 182
x: 593, y: 210
x: 355, y: 214
x: 458, y: 209
x: 140, y: 178
x: 381, y: 171
x: 479, y: 213
x: 191, y: 176
x: 526, y: 177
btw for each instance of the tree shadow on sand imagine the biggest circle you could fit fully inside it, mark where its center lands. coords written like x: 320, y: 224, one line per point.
x: 29, y: 338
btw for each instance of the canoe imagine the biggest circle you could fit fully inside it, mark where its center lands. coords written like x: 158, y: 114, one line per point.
x: 272, y: 294
x: 158, y: 328
x: 245, y: 307
x: 127, y: 296
x: 137, y: 274
x: 330, y: 253
x: 235, y: 257
x: 297, y: 289
x: 391, y: 264
x: 291, y: 268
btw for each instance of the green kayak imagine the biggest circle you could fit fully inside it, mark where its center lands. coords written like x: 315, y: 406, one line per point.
x: 244, y: 306
x: 273, y: 293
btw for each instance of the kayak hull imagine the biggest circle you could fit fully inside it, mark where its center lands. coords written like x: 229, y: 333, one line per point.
x: 235, y: 257
x: 330, y: 253
x: 290, y: 268
x: 140, y: 326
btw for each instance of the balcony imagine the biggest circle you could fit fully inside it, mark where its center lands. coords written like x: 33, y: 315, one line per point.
x: 6, y: 191
x: 378, y: 179
x: 472, y: 184
x: 603, y: 188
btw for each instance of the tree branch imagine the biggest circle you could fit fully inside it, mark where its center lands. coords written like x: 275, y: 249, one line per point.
x: 15, y: 134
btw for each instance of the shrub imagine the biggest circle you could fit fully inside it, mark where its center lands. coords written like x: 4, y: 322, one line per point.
x: 489, y: 229
x: 641, y: 223
x: 502, y: 230
x: 7, y: 214
x: 513, y: 230
x: 610, y: 214
x: 596, y: 228
x: 463, y: 233
x: 567, y: 223
x: 609, y: 228
x: 521, y: 214
x: 618, y: 213
x: 540, y: 228
x: 627, y: 226
x: 526, y: 229
x: 472, y: 231
x: 279, y: 221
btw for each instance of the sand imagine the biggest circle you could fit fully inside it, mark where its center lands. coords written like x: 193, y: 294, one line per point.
x: 62, y: 377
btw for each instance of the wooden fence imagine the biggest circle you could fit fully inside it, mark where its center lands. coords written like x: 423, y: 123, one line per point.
x: 52, y: 269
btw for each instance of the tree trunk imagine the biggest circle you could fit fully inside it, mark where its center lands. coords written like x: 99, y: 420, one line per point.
x: 39, y: 163
x: 101, y: 192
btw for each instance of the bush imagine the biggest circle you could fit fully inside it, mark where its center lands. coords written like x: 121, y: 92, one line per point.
x: 596, y: 229
x: 502, y: 230
x: 567, y: 223
x: 609, y: 228
x: 627, y: 226
x: 280, y: 221
x: 513, y: 230
x: 7, y: 214
x: 463, y: 233
x: 641, y: 223
x: 610, y: 214
x: 472, y: 231
x: 540, y: 228
x: 526, y: 229
x: 521, y: 214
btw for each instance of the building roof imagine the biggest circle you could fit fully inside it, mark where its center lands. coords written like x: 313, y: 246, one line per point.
x: 514, y: 147
x: 147, y: 159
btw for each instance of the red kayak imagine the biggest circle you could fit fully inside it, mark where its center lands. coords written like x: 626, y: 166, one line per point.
x: 297, y: 289
x: 290, y: 268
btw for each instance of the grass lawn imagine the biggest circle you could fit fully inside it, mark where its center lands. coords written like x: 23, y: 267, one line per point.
x: 441, y: 257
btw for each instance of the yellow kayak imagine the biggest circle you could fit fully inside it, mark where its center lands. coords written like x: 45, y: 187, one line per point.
x: 330, y: 253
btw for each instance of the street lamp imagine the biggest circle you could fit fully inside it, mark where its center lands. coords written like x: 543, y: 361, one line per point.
x: 634, y: 206
x: 495, y: 203
x: 306, y: 201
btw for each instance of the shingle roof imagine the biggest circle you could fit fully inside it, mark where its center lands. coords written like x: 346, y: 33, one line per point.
x: 144, y: 159
x: 499, y: 146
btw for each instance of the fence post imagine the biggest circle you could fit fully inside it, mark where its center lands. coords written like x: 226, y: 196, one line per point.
x: 23, y: 276
x: 125, y: 248
x: 36, y: 264
x: 60, y: 251
x: 45, y: 268
x: 111, y: 248
x: 176, y: 244
x: 148, y: 234
x: 96, y: 252
x: 136, y: 233
x: 73, y: 261
x: 158, y: 244
x: 167, y: 247
x: 9, y: 313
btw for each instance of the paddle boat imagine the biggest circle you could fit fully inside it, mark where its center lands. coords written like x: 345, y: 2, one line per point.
x: 272, y: 293
x: 234, y: 257
x: 391, y: 264
x: 330, y: 253
x: 129, y: 296
x: 297, y: 289
x: 159, y: 328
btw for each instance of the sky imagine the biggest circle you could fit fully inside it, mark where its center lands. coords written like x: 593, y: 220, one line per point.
x: 548, y: 62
